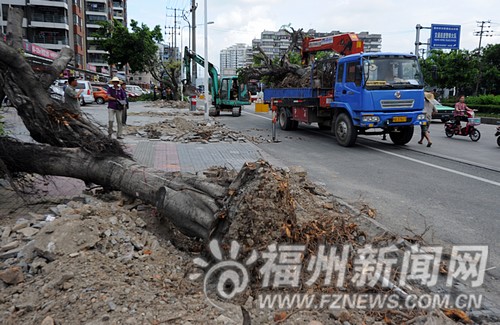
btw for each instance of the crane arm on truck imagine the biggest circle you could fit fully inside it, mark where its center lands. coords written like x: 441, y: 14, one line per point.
x: 343, y: 44
x: 212, y: 71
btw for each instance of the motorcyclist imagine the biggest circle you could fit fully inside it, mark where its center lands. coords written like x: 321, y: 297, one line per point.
x: 461, y: 111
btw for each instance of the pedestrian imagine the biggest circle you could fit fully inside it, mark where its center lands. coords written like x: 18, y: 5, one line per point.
x: 169, y: 94
x: 429, y: 110
x: 71, y: 95
x: 116, y: 103
x: 125, y: 109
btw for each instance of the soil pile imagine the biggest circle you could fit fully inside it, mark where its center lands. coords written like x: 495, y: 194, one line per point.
x: 192, y: 129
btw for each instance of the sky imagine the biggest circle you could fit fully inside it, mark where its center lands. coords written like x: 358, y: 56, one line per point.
x: 240, y: 21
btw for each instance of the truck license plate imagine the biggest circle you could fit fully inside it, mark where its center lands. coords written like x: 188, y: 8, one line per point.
x: 397, y: 119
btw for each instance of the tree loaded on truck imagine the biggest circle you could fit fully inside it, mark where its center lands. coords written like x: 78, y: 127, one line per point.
x: 360, y: 93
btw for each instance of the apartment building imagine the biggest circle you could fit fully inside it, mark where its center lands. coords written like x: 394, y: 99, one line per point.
x: 50, y: 25
x: 97, y: 11
x: 273, y: 43
x: 235, y: 57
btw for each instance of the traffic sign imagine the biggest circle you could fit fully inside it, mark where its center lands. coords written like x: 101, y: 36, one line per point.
x: 445, y: 37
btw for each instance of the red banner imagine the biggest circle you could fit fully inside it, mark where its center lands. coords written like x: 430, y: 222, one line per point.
x: 43, y: 52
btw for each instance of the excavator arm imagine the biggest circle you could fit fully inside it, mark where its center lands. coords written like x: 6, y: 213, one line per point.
x: 212, y: 71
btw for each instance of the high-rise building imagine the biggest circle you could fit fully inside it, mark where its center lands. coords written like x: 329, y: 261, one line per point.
x: 235, y: 57
x: 97, y: 11
x: 273, y: 44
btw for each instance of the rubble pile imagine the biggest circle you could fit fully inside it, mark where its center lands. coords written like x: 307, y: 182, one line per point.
x: 101, y: 260
x: 161, y: 103
x: 179, y: 129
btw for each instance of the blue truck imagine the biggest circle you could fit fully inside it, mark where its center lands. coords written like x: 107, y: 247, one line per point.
x: 361, y: 93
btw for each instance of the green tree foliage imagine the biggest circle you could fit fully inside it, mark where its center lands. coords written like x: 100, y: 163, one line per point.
x: 459, y: 68
x: 464, y: 69
x: 137, y: 47
x: 490, y: 80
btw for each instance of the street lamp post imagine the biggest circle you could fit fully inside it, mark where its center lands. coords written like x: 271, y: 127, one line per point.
x: 205, y: 82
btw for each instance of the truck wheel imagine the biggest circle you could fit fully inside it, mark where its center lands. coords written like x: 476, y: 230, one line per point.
x: 402, y: 137
x: 236, y: 111
x: 286, y: 123
x: 345, y: 132
x: 324, y: 126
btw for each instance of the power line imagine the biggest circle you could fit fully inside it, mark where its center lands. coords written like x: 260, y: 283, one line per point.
x: 484, y: 31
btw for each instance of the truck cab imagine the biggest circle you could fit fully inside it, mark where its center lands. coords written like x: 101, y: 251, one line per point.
x: 378, y: 90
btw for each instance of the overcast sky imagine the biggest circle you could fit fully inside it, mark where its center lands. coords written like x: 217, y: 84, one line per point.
x: 240, y: 21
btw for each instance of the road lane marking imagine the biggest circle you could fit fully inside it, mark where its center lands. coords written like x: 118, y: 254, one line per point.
x: 433, y: 165
x: 267, y: 118
x: 481, y: 179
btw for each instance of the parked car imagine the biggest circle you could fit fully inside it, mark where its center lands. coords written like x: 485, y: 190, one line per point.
x: 100, y: 94
x: 134, y: 91
x: 56, y: 93
x: 444, y: 113
x: 87, y: 96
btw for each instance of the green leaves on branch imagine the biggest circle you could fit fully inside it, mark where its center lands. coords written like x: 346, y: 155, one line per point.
x: 464, y: 69
x: 136, y: 47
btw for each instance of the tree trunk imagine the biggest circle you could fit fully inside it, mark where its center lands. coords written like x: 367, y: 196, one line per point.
x: 190, y: 203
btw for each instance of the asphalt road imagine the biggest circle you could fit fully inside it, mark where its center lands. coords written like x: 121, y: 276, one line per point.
x: 452, y: 188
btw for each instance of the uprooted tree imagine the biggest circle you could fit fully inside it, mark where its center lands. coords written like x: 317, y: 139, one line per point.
x: 288, y: 69
x: 69, y: 144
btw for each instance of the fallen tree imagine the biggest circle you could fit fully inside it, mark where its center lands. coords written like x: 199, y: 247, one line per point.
x: 68, y: 144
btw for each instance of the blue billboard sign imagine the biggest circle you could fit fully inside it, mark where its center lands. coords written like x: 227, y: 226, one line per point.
x: 445, y: 37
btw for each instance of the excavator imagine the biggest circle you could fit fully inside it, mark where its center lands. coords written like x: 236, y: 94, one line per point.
x: 228, y: 94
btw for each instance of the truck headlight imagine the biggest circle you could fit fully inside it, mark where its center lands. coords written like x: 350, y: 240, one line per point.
x: 421, y: 117
x: 370, y: 119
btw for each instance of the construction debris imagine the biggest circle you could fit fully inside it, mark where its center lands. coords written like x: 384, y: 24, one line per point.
x: 98, y: 259
x: 180, y: 129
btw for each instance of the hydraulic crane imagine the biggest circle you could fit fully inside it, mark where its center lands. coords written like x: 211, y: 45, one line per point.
x: 342, y: 44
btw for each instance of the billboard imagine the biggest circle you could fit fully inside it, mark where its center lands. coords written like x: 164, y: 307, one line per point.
x: 445, y: 37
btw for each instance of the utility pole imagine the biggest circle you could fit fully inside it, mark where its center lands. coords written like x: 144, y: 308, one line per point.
x: 480, y: 33
x: 174, y: 31
x: 194, y: 68
x: 483, y: 31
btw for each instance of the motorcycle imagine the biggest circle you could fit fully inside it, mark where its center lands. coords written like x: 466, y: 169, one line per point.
x: 453, y: 127
x: 498, y: 134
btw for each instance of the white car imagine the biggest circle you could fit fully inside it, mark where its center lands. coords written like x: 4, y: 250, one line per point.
x: 134, y: 91
x: 87, y: 96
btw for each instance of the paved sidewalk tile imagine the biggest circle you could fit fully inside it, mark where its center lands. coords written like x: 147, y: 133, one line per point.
x: 195, y: 157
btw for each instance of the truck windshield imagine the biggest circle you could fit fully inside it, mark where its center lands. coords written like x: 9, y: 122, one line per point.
x: 392, y: 72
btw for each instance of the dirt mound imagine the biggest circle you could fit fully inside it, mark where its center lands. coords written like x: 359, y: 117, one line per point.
x: 192, y: 129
